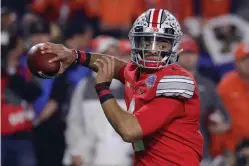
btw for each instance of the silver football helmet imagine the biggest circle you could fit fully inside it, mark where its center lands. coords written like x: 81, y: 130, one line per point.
x: 155, y: 38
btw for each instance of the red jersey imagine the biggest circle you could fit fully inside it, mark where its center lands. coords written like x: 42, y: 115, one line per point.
x: 167, y: 106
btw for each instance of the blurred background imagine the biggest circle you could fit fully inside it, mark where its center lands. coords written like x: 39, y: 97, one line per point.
x: 59, y: 122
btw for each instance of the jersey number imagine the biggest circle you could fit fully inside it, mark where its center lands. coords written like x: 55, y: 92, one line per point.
x: 138, y: 145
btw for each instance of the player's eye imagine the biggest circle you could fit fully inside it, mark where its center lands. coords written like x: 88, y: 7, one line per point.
x: 164, y: 47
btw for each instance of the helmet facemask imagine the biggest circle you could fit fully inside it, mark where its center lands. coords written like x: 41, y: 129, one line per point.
x: 154, y: 38
x: 153, y: 50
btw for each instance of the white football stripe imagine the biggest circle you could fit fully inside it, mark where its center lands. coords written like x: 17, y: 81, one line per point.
x: 151, y: 16
x: 175, y: 91
x: 177, y: 80
x: 177, y: 77
x: 186, y: 95
x: 174, y: 95
x: 175, y: 85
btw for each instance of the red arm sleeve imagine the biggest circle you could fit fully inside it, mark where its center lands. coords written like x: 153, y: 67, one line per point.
x: 121, y: 77
x: 158, y: 112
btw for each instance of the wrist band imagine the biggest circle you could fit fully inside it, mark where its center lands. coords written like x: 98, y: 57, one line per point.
x: 82, y: 57
x: 103, y: 91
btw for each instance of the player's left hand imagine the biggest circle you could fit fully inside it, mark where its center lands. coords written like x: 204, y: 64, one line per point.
x: 105, y: 67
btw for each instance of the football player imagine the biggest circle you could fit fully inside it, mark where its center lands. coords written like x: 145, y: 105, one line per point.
x: 162, y: 121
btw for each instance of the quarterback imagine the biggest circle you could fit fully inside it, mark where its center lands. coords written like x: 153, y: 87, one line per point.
x: 162, y: 120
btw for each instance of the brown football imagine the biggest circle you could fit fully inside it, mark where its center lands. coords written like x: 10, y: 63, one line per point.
x: 38, y: 63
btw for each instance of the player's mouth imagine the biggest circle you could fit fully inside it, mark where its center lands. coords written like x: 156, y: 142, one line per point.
x: 151, y: 57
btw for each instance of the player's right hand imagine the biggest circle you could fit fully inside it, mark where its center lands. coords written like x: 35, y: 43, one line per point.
x: 65, y: 55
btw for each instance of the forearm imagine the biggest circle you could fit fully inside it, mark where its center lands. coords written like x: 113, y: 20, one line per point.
x: 122, y: 121
x: 125, y: 124
x: 88, y: 59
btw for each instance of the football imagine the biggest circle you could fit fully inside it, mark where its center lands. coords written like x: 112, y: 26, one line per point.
x: 38, y: 63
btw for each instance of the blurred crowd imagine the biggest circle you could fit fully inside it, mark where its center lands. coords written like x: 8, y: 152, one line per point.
x: 55, y: 122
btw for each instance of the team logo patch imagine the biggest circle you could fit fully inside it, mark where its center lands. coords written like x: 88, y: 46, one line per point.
x: 150, y: 81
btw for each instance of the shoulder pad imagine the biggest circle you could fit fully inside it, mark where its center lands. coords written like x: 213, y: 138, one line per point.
x: 178, y: 86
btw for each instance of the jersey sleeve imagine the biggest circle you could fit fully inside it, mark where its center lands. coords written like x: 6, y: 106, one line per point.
x: 176, y: 86
x: 158, y: 112
x: 121, y: 76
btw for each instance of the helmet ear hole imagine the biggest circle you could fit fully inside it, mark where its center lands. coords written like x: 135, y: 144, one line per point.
x: 138, y: 29
x: 169, y: 31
